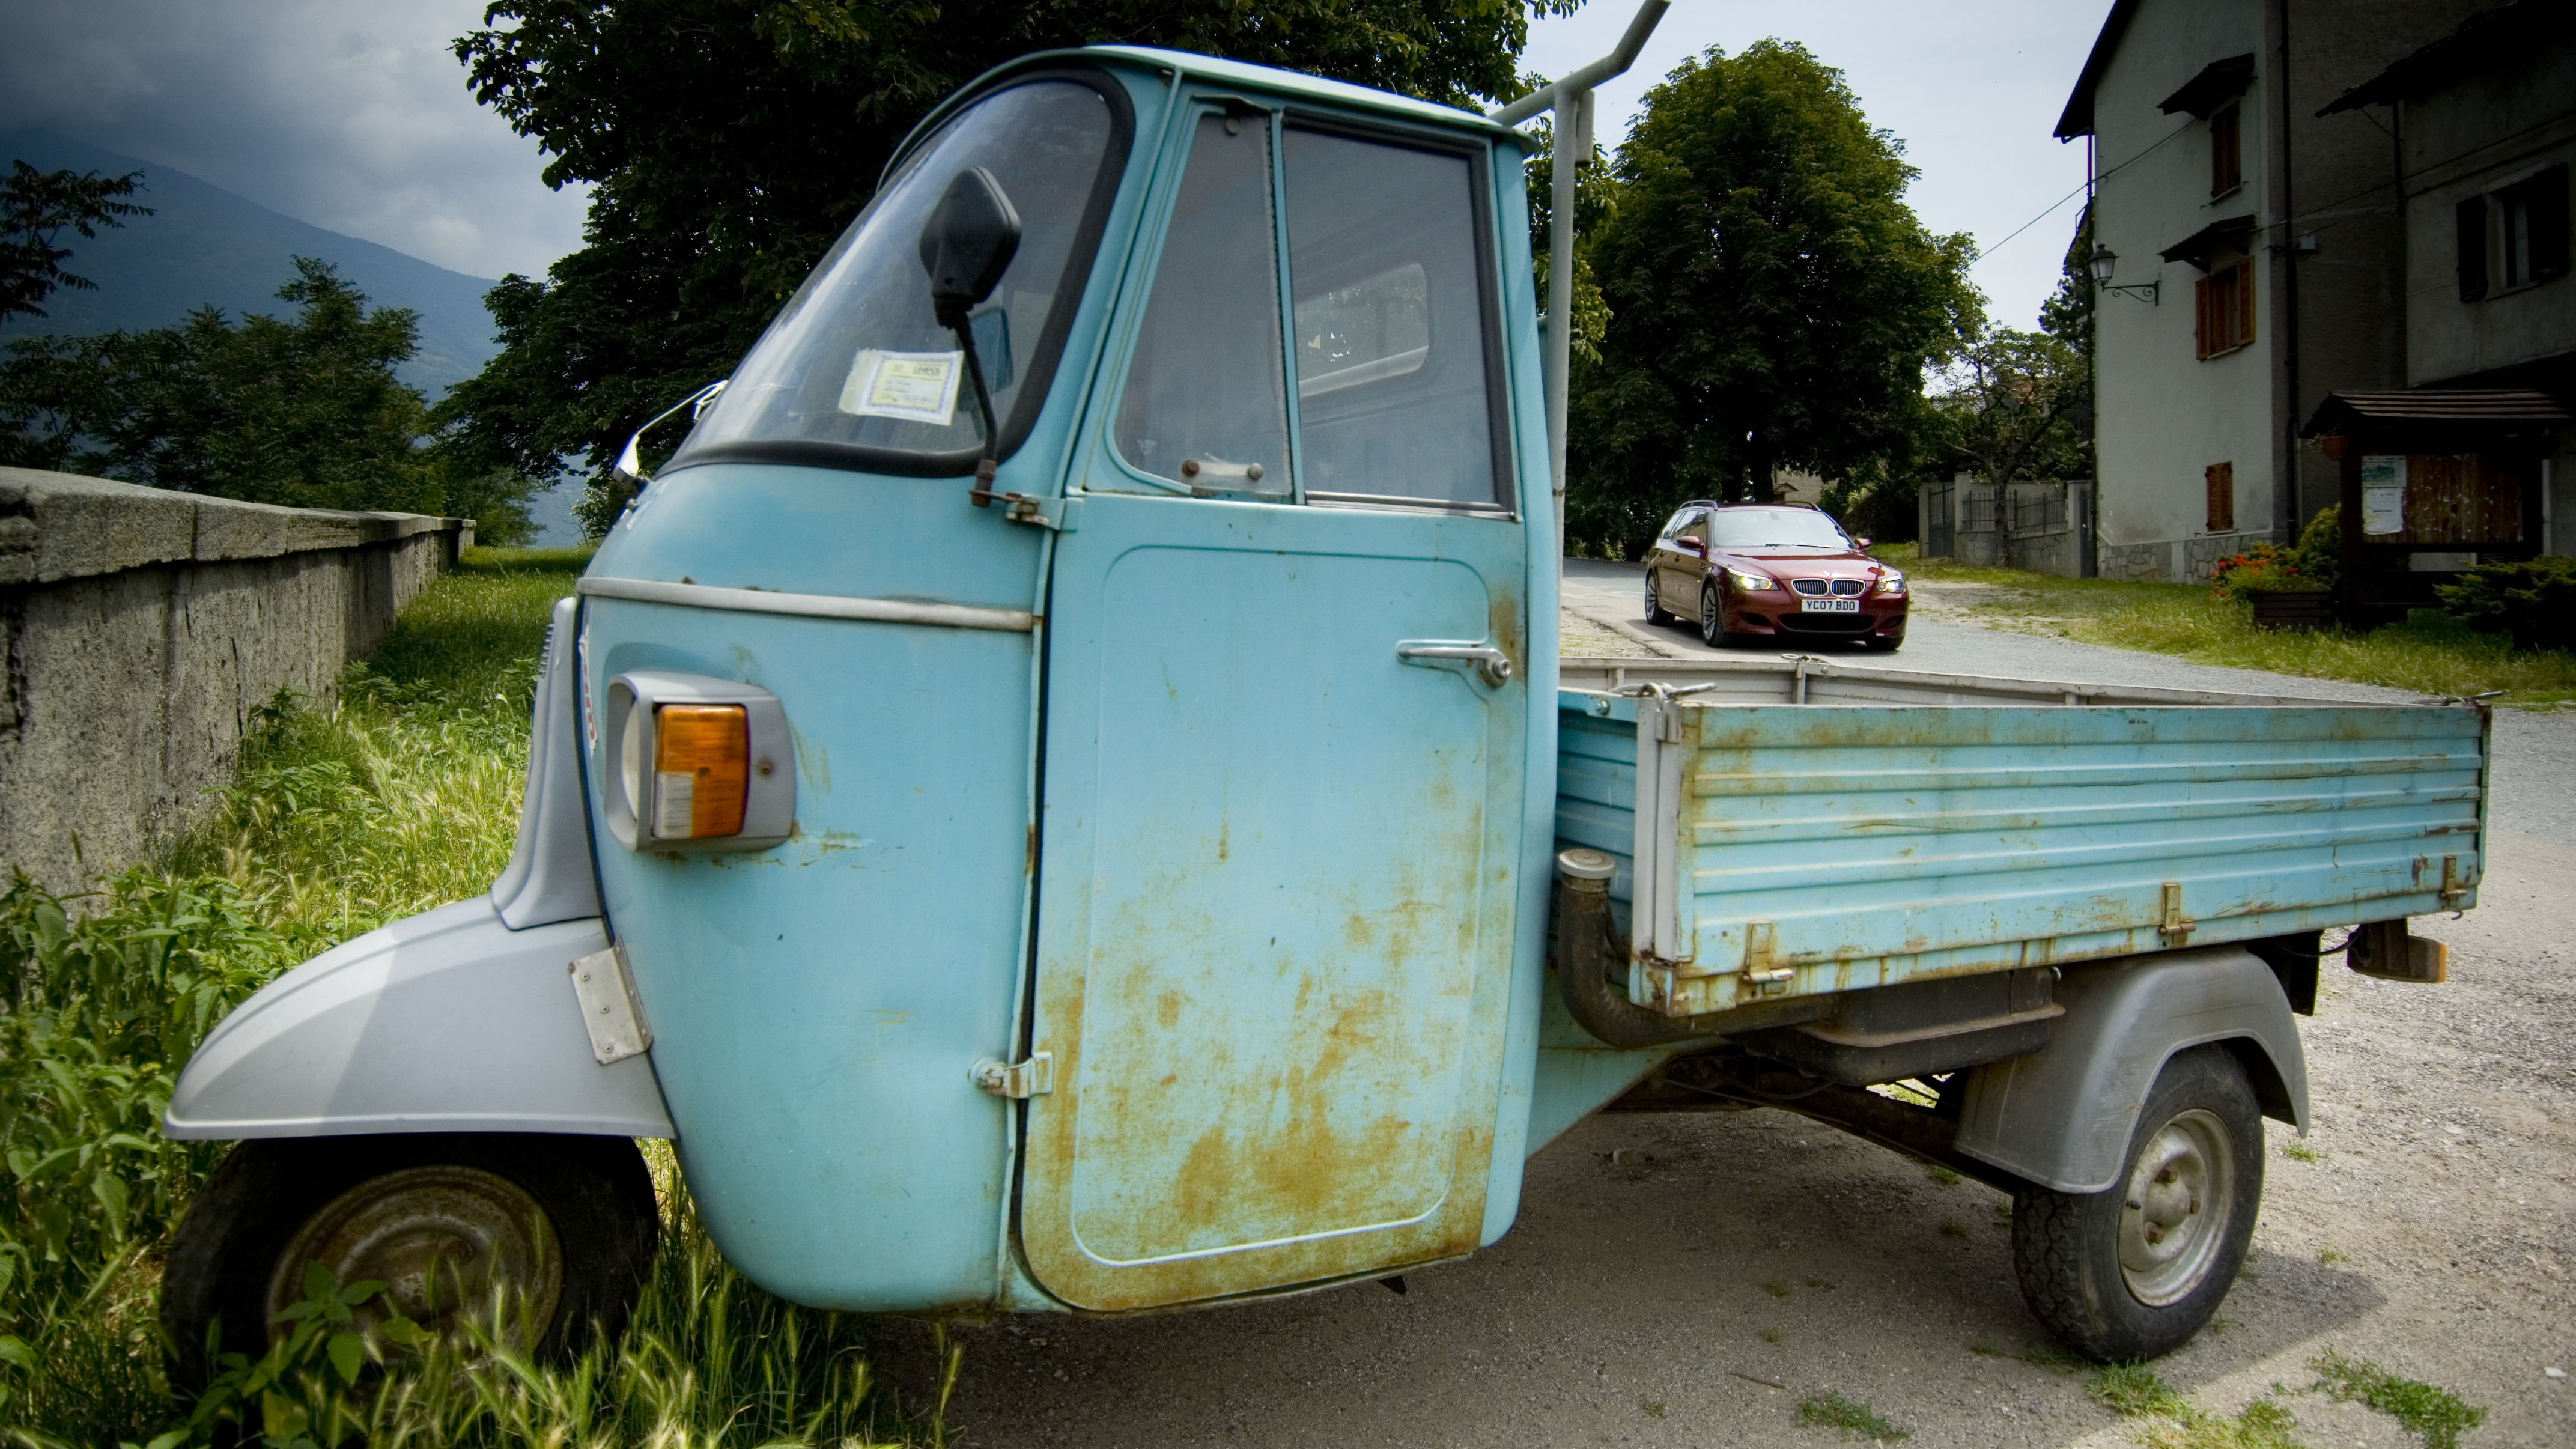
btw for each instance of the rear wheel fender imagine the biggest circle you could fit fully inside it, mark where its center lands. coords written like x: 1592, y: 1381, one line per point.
x: 2062, y: 1116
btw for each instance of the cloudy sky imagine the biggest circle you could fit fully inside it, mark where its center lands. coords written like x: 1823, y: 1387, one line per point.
x: 352, y: 115
x: 349, y: 114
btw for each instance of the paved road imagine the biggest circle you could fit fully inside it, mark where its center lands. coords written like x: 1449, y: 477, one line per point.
x: 1667, y: 1272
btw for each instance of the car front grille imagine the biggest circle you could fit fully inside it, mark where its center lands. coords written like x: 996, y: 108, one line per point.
x: 1847, y: 586
x: 1808, y: 586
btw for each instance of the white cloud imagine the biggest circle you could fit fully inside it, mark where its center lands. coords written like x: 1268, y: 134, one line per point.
x: 347, y: 114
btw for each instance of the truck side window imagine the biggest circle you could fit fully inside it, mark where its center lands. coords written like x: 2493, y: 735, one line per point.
x: 1391, y: 312
x: 1205, y: 405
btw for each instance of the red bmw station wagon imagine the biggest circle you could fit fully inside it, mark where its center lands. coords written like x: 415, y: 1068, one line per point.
x: 1771, y: 571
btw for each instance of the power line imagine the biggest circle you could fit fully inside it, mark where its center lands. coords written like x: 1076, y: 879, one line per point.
x: 2089, y: 182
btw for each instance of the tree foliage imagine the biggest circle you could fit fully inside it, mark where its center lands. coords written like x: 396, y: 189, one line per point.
x: 35, y: 208
x: 303, y: 412
x: 729, y: 141
x: 1773, y: 301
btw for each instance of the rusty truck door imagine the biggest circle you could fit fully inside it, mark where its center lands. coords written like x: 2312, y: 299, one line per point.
x: 1284, y: 734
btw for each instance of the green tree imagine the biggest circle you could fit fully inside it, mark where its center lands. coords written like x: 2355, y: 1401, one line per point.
x: 729, y: 141
x: 35, y: 208
x: 303, y: 412
x: 1773, y: 301
x: 2010, y: 398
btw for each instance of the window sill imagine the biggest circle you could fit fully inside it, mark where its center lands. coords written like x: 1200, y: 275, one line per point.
x: 2518, y: 288
x: 2216, y: 197
x: 2227, y: 351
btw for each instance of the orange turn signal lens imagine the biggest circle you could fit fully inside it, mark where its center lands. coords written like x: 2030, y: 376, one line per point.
x: 700, y: 771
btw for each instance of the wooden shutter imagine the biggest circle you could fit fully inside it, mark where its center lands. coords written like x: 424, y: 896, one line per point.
x: 2469, y: 222
x: 2548, y: 203
x: 2220, y: 479
x: 2201, y: 339
x: 2244, y: 331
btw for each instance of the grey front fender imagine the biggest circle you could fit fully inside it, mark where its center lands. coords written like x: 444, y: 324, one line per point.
x: 2062, y: 1116
x: 447, y: 1022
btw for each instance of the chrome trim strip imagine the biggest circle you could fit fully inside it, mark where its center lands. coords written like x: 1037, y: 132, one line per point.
x: 812, y: 606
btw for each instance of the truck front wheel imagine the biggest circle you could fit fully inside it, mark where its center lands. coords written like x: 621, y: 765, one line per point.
x: 2133, y: 1272
x: 560, y: 1229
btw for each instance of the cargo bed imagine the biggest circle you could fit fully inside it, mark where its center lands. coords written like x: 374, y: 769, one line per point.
x: 1807, y: 827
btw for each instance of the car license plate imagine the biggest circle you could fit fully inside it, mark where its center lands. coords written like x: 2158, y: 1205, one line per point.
x: 1829, y: 606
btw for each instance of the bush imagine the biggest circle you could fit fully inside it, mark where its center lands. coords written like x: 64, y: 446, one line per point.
x: 2534, y: 600
x: 2310, y: 564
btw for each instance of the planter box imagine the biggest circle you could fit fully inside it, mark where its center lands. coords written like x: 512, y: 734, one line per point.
x: 2302, y: 609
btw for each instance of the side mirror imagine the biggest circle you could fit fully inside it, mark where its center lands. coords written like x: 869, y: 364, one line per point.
x: 968, y: 243
x: 1691, y: 546
x: 1860, y: 543
x: 630, y: 459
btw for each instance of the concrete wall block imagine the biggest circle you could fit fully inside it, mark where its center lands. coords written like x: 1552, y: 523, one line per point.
x: 136, y: 666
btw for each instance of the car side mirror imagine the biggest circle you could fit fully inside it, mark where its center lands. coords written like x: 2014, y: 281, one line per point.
x: 968, y: 243
x: 1860, y: 543
x: 1691, y: 546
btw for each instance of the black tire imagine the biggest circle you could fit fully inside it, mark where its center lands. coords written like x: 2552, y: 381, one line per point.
x: 2198, y: 1145
x: 1655, y: 611
x: 1712, y: 619
x: 345, y: 1200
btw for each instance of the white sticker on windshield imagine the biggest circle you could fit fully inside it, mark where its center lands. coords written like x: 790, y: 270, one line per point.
x: 918, y: 387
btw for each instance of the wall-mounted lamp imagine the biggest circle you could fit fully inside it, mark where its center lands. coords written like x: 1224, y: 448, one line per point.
x: 2104, y: 259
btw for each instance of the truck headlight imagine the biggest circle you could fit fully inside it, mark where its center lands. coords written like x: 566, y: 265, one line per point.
x: 700, y: 764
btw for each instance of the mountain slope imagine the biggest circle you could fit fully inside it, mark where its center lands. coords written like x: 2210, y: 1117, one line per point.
x: 206, y: 245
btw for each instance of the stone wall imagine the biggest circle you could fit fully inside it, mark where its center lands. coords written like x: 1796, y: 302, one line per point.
x: 143, y: 629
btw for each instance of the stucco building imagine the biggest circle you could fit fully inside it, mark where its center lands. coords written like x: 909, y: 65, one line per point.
x: 2260, y: 260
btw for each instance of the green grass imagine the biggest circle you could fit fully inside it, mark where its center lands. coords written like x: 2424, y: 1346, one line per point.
x: 400, y: 795
x: 2133, y: 1391
x: 2430, y: 652
x: 1830, y: 1410
x: 2436, y: 1416
x: 2301, y: 1152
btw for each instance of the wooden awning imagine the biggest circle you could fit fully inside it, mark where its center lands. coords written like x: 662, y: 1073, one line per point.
x: 2513, y: 408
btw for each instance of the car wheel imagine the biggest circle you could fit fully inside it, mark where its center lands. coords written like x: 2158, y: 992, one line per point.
x: 2134, y: 1271
x: 1655, y: 611
x: 562, y: 1227
x: 1712, y: 619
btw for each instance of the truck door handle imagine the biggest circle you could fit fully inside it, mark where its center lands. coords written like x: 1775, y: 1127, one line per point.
x: 1492, y: 665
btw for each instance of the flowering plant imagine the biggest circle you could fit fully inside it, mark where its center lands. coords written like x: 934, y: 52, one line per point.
x: 2264, y: 566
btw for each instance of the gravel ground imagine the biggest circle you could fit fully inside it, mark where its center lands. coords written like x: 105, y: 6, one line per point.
x: 1687, y: 1280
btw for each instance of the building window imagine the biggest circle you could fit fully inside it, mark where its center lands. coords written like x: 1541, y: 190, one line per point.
x: 2220, y: 478
x: 2514, y: 236
x: 2226, y: 303
x: 2226, y: 153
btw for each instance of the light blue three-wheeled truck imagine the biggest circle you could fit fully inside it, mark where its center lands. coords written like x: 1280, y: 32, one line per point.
x: 1062, y: 796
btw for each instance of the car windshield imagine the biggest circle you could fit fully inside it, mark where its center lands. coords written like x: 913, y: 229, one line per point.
x: 857, y: 372
x: 1774, y: 528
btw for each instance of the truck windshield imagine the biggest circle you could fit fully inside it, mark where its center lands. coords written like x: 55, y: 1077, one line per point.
x: 1774, y: 528
x: 855, y: 372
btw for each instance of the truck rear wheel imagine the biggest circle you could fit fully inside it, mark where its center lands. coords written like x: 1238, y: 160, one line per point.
x: 564, y: 1227
x: 2134, y: 1271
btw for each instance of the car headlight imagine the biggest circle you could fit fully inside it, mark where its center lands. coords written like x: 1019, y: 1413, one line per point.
x: 1742, y: 580
x: 1891, y: 582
